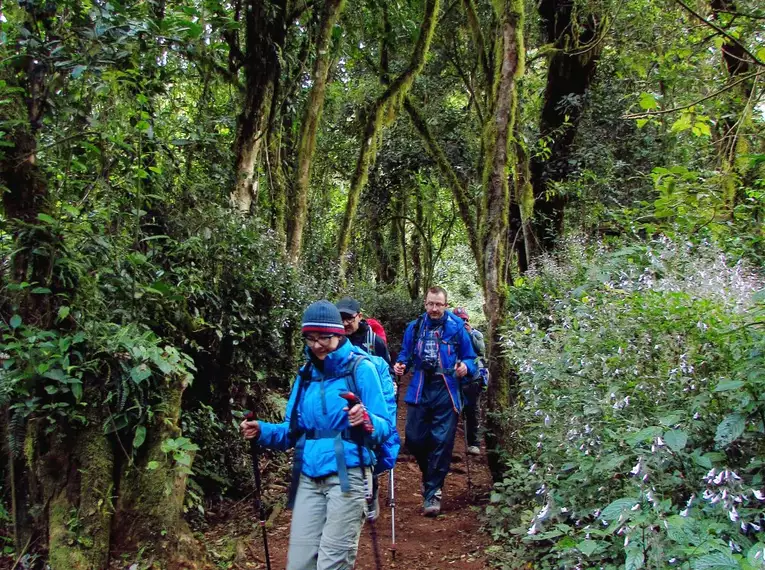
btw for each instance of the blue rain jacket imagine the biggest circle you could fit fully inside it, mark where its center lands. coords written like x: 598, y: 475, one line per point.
x: 455, y: 345
x: 321, y: 408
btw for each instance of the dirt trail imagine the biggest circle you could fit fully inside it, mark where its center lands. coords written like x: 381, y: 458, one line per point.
x: 451, y: 540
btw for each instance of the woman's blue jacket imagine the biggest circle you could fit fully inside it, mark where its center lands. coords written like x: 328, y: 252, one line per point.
x: 321, y: 410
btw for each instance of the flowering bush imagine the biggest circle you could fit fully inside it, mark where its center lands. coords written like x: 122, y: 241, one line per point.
x: 640, y: 413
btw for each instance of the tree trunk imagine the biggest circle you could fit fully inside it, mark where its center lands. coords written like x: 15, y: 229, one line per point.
x: 265, y: 29
x: 732, y: 144
x: 308, y: 128
x: 527, y: 246
x: 417, y: 244
x: 149, y: 509
x: 570, y: 74
x: 495, y: 222
x: 450, y: 176
x: 396, y: 90
x: 88, y: 492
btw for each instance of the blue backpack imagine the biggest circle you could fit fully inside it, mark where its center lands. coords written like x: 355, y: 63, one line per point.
x: 387, y: 453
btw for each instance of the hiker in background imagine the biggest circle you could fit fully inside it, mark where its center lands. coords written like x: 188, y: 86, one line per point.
x: 438, y: 348
x: 360, y: 333
x: 472, y: 389
x: 328, y: 488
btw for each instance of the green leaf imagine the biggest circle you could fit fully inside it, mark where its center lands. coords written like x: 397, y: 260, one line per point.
x: 40, y: 291
x: 726, y: 385
x: 635, y: 559
x: 647, y: 101
x: 641, y: 123
x: 676, y: 439
x: 46, y: 218
x: 701, y: 128
x: 63, y: 312
x: 756, y: 554
x: 139, y: 437
x: 77, y: 390
x: 645, y: 434
x: 730, y: 429
x: 140, y: 373
x: 715, y: 561
x: 15, y: 321
x: 615, y: 509
x: 78, y: 70
x: 682, y: 124
x: 587, y: 547
x: 152, y: 465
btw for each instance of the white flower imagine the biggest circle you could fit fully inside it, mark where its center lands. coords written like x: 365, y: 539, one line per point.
x: 759, y: 494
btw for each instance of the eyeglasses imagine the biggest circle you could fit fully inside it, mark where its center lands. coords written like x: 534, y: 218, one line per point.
x: 322, y: 340
x: 435, y: 305
x: 348, y: 319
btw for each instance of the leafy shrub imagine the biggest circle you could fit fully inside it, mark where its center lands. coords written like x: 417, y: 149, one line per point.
x: 640, y: 414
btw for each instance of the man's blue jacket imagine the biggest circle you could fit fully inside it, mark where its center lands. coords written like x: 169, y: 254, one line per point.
x: 321, y: 409
x: 455, y: 345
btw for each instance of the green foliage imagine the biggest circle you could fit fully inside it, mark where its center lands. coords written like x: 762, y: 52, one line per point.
x: 641, y: 410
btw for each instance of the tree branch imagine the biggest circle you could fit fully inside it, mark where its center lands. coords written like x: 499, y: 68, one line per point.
x: 728, y: 87
x: 721, y: 31
x: 458, y: 190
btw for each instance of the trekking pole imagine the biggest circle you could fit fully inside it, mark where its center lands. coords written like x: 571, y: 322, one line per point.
x: 259, y: 507
x: 368, y: 428
x: 392, y: 503
x: 467, y: 456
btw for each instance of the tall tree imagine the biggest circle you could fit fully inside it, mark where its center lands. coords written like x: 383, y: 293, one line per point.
x: 499, y: 158
x: 310, y: 124
x: 384, y: 107
x: 578, y: 43
x: 265, y: 25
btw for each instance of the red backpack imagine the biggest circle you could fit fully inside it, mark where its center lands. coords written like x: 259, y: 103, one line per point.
x: 377, y: 328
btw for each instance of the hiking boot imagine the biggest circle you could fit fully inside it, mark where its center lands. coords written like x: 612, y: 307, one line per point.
x: 473, y: 450
x: 431, y: 507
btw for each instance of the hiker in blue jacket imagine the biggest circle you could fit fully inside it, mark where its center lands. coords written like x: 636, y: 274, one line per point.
x: 438, y: 348
x: 329, y: 500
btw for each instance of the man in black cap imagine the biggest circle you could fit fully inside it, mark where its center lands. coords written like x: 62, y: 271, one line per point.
x: 358, y: 331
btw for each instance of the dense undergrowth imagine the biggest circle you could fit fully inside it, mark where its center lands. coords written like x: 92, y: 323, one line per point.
x: 640, y: 436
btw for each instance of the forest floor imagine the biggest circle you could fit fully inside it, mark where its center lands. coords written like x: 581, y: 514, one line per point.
x: 451, y: 540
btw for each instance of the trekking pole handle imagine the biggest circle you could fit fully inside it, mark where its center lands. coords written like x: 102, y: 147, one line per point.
x: 354, y: 400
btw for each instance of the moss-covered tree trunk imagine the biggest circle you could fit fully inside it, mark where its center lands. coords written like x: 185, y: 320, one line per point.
x: 265, y: 30
x: 496, y: 202
x: 82, y: 505
x: 382, y: 109
x: 570, y: 73
x: 732, y: 144
x: 308, y: 128
x: 149, y: 510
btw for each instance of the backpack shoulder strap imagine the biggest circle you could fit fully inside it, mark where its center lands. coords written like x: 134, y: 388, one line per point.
x: 418, y: 327
x: 352, y: 384
x: 304, y: 377
x: 371, y: 340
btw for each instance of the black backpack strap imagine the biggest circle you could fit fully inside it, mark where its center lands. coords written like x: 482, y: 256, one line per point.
x: 297, y: 439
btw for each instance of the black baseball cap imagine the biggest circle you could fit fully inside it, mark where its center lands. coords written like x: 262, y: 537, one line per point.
x: 348, y: 306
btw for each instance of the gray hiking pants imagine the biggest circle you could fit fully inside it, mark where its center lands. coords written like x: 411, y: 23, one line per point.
x: 326, y: 523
